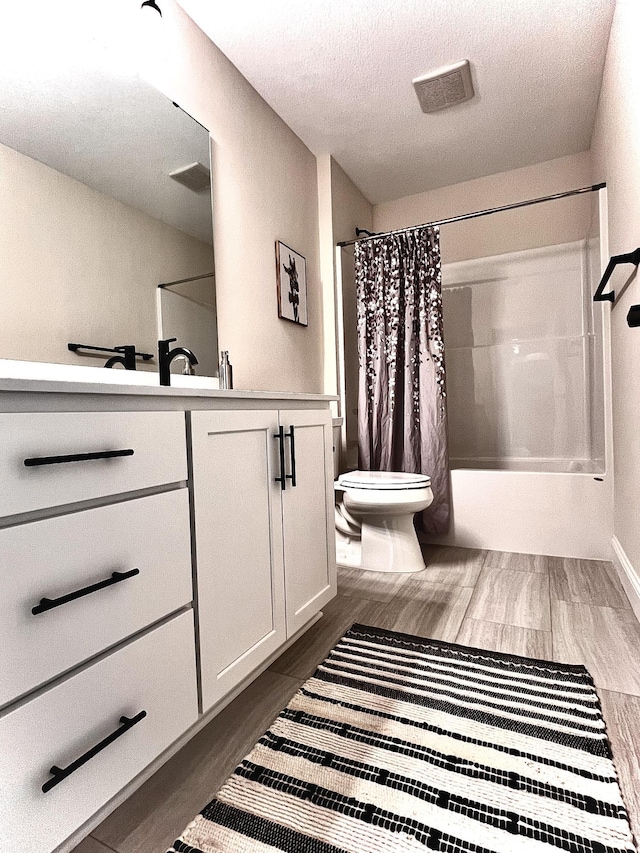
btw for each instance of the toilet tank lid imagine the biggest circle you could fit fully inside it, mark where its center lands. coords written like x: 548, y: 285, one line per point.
x: 383, y: 480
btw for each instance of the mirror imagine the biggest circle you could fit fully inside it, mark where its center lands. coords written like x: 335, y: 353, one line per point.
x: 104, y: 196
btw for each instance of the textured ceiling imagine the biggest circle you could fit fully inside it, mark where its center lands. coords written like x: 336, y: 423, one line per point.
x: 339, y: 73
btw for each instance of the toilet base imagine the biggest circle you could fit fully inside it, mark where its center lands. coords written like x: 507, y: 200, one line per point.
x: 384, y: 545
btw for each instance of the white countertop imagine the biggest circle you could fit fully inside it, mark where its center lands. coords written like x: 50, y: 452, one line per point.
x: 41, y: 377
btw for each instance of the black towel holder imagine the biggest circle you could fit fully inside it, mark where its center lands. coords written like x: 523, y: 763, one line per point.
x: 629, y: 258
x: 90, y: 348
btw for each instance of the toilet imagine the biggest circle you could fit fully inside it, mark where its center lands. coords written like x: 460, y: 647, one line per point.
x: 374, y: 521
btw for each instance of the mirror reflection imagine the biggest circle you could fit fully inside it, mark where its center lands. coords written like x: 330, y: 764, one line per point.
x: 104, y: 196
x: 187, y: 312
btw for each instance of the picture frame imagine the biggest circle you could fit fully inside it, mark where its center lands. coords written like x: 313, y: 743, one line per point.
x: 291, y: 279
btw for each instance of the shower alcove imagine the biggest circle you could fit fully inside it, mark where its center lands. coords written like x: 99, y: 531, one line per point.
x: 528, y: 383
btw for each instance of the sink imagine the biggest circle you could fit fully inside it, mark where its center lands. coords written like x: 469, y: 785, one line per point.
x: 42, y: 370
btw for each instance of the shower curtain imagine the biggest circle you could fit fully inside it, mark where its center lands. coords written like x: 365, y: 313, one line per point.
x: 402, y: 421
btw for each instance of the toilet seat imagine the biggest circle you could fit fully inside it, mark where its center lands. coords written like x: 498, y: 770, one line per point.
x: 383, y: 480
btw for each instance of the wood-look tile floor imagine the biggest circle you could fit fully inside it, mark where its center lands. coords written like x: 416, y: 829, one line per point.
x: 573, y: 611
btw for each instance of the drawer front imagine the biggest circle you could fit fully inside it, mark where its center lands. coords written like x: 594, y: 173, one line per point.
x: 157, y: 439
x: 155, y: 674
x: 58, y: 558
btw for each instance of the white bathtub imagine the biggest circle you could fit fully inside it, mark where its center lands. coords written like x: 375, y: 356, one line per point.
x: 560, y: 514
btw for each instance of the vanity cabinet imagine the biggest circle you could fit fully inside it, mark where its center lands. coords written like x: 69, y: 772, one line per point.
x: 104, y: 574
x: 152, y: 562
x: 238, y: 546
x: 50, y: 459
x: 265, y: 560
x: 98, y: 673
x: 308, y: 525
x: 154, y: 674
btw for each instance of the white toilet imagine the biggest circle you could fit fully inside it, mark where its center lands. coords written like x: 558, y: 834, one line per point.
x: 374, y: 521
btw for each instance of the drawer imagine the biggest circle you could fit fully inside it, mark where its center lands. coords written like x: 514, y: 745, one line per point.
x: 155, y: 674
x: 57, y: 557
x: 157, y: 439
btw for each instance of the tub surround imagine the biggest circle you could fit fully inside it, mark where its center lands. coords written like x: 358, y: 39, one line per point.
x: 153, y: 585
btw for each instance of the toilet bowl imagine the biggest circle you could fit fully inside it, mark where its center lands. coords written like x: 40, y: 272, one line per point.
x: 374, y: 520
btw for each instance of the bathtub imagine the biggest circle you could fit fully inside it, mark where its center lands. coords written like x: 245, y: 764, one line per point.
x: 534, y: 512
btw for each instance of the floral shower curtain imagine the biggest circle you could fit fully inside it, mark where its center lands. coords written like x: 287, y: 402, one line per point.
x: 402, y: 421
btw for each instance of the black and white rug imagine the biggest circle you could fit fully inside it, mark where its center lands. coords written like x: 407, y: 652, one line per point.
x: 398, y: 743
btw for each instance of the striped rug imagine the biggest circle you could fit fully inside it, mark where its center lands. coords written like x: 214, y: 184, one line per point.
x: 398, y: 743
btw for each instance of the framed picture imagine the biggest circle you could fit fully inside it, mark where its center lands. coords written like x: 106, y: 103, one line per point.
x: 291, y: 277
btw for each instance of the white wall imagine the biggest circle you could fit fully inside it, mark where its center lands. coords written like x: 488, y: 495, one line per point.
x: 616, y: 157
x: 264, y: 189
x: 527, y: 228
x: 80, y: 266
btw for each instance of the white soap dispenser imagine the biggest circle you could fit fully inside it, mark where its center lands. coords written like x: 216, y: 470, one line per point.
x: 225, y: 374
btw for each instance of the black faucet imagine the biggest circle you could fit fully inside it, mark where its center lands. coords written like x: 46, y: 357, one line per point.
x: 166, y: 356
x: 128, y: 359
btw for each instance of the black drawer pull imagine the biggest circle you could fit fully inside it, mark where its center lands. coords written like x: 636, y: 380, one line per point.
x: 61, y: 773
x: 282, y: 479
x: 50, y: 603
x: 76, y: 457
x: 291, y: 435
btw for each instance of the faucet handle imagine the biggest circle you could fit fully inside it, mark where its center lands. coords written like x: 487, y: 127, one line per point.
x: 163, y: 348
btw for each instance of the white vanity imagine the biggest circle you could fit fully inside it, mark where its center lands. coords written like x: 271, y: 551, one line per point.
x: 160, y: 547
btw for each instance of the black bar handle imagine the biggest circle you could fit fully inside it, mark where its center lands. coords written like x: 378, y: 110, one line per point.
x: 51, y: 603
x: 61, y: 773
x: 282, y: 479
x: 76, y: 457
x: 629, y: 258
x: 292, y: 447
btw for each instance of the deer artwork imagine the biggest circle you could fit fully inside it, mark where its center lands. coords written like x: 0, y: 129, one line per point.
x: 294, y: 287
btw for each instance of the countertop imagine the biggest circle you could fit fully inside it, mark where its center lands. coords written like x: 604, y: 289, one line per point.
x: 41, y: 378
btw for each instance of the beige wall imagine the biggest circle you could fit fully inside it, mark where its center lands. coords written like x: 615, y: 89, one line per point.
x: 350, y: 209
x: 80, y: 266
x: 264, y: 189
x: 616, y: 155
x: 328, y: 278
x: 527, y: 228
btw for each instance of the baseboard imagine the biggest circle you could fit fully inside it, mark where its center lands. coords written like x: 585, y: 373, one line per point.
x: 627, y: 574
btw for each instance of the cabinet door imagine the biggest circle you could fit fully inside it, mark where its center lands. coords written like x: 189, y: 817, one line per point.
x: 307, y: 516
x: 238, y: 543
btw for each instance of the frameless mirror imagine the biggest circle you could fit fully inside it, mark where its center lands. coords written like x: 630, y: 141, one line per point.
x: 104, y: 196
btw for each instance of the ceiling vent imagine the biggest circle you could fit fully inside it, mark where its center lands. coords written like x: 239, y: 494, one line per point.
x: 444, y: 87
x: 195, y: 177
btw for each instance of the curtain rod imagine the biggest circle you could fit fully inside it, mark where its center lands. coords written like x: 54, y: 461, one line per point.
x: 463, y: 216
x: 185, y: 280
